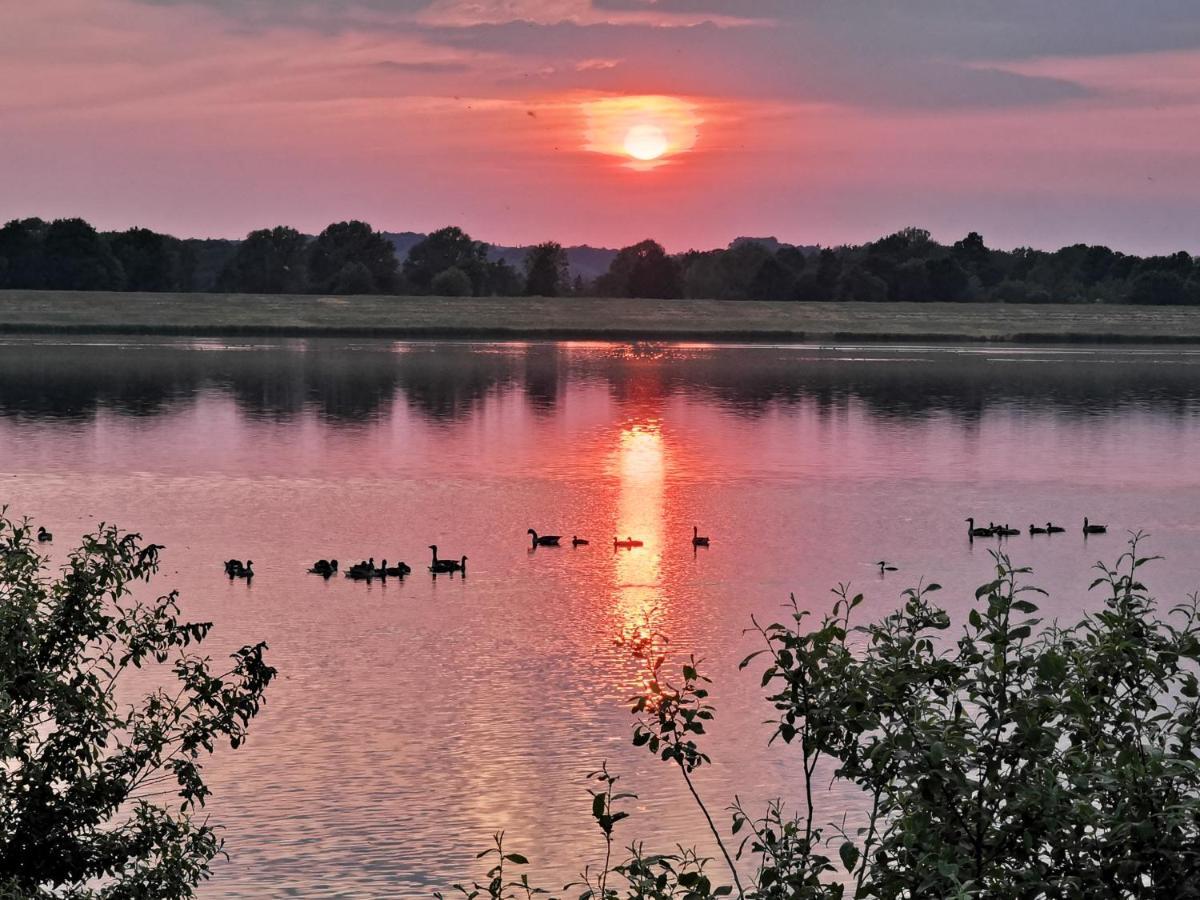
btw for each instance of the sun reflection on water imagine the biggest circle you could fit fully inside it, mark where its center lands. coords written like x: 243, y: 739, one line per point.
x: 641, y: 465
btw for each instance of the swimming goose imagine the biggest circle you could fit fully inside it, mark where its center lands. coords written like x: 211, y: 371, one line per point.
x: 1033, y: 529
x: 247, y: 571
x: 43, y: 535
x: 977, y: 532
x: 397, y: 571
x: 697, y: 540
x: 324, y: 567
x: 1005, y: 531
x: 443, y: 565
x: 628, y: 544
x: 233, y: 567
x: 546, y: 540
x: 1093, y: 529
x: 884, y: 567
x: 578, y: 541
x: 1054, y: 529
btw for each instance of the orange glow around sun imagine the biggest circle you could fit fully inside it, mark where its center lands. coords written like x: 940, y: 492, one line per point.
x: 645, y: 131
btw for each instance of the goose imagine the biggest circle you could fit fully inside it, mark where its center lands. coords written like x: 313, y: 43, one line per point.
x: 1033, y: 529
x: 1054, y: 529
x: 397, y: 571
x: 545, y: 540
x: 977, y: 532
x: 1005, y: 531
x: 442, y: 565
x: 578, y: 541
x: 247, y: 571
x: 629, y: 543
x: 361, y: 570
x: 1093, y: 529
x: 324, y: 567
x: 450, y: 566
x: 697, y: 540
x: 43, y: 535
x: 885, y: 567
x: 233, y: 567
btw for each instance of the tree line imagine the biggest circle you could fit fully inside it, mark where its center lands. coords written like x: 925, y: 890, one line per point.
x: 353, y: 258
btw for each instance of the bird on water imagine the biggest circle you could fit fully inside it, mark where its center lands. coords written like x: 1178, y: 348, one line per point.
x: 446, y: 566
x: 977, y: 532
x: 1089, y: 528
x: 698, y: 540
x: 544, y: 540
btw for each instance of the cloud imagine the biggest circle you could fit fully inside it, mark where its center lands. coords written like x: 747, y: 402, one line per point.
x: 751, y: 62
x: 325, y: 16
x: 965, y: 29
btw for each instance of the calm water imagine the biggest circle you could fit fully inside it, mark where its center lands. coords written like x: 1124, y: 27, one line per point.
x: 411, y: 720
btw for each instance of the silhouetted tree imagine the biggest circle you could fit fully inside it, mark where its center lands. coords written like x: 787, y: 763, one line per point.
x: 452, y: 282
x: 547, y: 272
x: 354, y: 278
x: 445, y: 249
x: 273, y: 261
x: 76, y: 258
x: 150, y: 261
x: 21, y: 253
x: 1160, y: 287
x: 345, y: 243
x: 642, y: 270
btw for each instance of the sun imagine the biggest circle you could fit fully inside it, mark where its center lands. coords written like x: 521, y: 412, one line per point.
x: 646, y: 142
x: 644, y: 131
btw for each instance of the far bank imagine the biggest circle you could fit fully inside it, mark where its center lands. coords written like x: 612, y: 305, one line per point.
x: 538, y: 318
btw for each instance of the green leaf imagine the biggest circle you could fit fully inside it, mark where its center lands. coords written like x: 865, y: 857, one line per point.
x: 849, y: 854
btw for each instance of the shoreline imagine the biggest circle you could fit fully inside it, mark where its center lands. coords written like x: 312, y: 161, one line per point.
x: 564, y: 319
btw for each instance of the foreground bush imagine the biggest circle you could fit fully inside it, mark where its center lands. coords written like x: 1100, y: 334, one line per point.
x: 1014, y: 759
x: 95, y: 793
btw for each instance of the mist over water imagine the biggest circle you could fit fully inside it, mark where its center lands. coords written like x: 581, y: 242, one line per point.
x: 412, y: 719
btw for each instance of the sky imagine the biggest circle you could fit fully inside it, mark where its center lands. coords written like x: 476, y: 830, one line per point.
x: 817, y: 121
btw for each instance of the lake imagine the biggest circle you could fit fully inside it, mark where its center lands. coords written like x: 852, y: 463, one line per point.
x: 412, y: 719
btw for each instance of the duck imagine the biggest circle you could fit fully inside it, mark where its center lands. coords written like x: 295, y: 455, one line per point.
x: 1054, y: 529
x: 578, y: 541
x: 247, y: 571
x: 697, y: 539
x: 1033, y: 529
x: 628, y: 544
x: 1088, y: 528
x: 233, y: 567
x: 884, y: 566
x: 324, y: 567
x: 397, y: 571
x: 43, y: 535
x: 545, y: 540
x: 972, y: 531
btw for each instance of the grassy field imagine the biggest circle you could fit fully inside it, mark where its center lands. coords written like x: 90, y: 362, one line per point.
x: 47, y: 312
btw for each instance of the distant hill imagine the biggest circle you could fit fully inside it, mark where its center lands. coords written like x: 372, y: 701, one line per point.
x: 586, y: 262
x: 774, y: 245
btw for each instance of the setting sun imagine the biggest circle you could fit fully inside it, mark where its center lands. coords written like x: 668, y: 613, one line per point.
x: 646, y: 142
x: 645, y: 131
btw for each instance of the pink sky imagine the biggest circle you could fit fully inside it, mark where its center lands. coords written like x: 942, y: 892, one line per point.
x: 1034, y: 123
